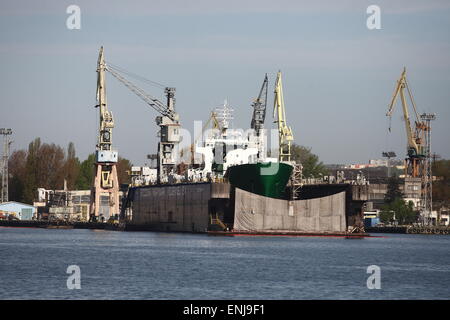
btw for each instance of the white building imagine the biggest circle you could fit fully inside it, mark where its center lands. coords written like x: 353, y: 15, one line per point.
x: 21, y: 211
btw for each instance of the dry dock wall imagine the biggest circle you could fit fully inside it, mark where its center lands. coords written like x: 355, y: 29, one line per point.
x: 189, y: 208
x: 181, y: 207
x: 255, y: 213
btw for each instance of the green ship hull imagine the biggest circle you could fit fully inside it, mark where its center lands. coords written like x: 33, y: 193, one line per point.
x: 266, y: 179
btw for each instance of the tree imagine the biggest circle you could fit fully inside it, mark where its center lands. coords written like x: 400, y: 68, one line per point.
x: 17, y: 170
x: 386, y: 215
x: 46, y: 166
x: 123, y: 165
x: 30, y: 178
x: 312, y: 167
x: 441, y: 187
x: 71, y: 167
x: 42, y: 166
x: 86, y: 173
x: 403, y: 212
x: 393, y: 190
x: 50, y: 167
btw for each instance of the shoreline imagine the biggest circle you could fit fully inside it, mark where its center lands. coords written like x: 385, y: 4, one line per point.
x: 124, y: 227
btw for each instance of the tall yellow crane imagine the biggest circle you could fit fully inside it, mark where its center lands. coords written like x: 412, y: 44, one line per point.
x: 285, y: 136
x: 415, y: 138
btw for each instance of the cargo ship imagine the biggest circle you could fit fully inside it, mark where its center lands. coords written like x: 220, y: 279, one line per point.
x: 268, y: 179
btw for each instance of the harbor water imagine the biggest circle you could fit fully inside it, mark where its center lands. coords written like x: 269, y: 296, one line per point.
x: 147, y: 265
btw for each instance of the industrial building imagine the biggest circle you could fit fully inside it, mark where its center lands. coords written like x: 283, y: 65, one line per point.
x: 73, y: 205
x: 18, y: 210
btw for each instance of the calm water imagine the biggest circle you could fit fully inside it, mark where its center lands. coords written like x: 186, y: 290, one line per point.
x: 145, y: 265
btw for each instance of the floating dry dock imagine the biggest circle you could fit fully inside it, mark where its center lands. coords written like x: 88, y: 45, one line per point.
x: 219, y: 207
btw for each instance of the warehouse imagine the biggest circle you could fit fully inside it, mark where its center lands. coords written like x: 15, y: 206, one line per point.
x: 21, y: 211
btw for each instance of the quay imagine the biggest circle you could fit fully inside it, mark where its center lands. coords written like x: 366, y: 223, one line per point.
x: 437, y: 230
x: 60, y: 225
x: 410, y: 230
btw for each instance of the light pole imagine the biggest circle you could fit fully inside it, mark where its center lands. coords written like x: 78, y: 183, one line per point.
x: 6, y: 143
x: 427, y: 176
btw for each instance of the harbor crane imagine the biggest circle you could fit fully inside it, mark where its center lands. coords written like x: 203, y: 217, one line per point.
x: 168, y: 121
x: 418, y: 160
x: 415, y: 138
x: 285, y: 136
x: 105, y: 179
x: 259, y: 108
x: 259, y: 116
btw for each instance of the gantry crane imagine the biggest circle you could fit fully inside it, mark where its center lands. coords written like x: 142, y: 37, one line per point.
x: 168, y: 121
x: 415, y: 138
x: 285, y: 136
x: 105, y: 180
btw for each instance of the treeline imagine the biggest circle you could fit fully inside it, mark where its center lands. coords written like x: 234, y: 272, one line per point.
x: 441, y: 187
x: 46, y: 165
x: 312, y: 166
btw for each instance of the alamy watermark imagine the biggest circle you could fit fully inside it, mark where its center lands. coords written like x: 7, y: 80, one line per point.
x: 73, y: 21
x: 374, y: 280
x: 374, y: 20
x: 74, y: 280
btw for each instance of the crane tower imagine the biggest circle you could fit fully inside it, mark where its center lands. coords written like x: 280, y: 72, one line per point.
x: 285, y: 136
x: 105, y: 189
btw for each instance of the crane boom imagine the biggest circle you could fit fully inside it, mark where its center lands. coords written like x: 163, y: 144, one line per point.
x: 106, y: 117
x: 259, y: 108
x: 168, y: 122
x: 413, y: 141
x: 150, y: 100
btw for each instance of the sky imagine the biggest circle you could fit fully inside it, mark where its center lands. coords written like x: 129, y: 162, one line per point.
x: 338, y: 75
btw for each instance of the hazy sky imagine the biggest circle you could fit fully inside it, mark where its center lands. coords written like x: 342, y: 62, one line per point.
x: 338, y: 75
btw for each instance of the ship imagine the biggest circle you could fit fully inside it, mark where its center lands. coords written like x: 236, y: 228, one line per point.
x: 266, y: 176
x: 268, y: 179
